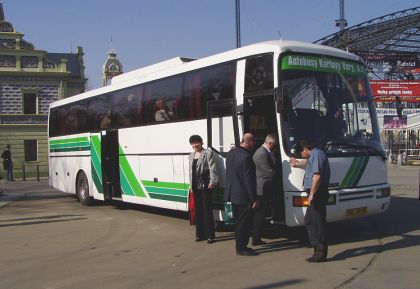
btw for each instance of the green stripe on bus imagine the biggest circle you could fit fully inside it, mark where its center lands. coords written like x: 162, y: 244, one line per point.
x: 356, y: 168
x: 96, y: 180
x: 69, y: 149
x: 167, y: 191
x: 67, y: 140
x: 348, y: 174
x: 125, y: 185
x: 347, y: 177
x: 361, y: 171
x: 70, y: 144
x: 95, y: 152
x: 180, y: 186
x: 169, y: 198
x: 127, y: 172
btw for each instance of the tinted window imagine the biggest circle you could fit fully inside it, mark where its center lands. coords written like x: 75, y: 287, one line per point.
x: 259, y: 73
x: 99, y: 109
x: 126, y: 107
x: 214, y: 83
x: 181, y: 97
x: 76, y: 117
x: 162, y: 99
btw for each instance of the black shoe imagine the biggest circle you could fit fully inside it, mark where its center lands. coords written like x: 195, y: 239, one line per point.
x: 258, y: 243
x: 199, y: 239
x: 247, y: 252
x: 210, y: 241
x: 315, y: 259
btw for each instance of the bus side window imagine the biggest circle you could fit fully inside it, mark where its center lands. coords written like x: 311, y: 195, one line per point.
x: 53, y: 122
x: 192, y: 96
x: 136, y: 112
x: 76, y: 118
x: 148, y: 107
x: 101, y: 112
x: 163, y: 93
x: 61, y: 120
x: 120, y: 107
x: 82, y: 117
x: 259, y: 73
x: 218, y: 84
x: 71, y: 119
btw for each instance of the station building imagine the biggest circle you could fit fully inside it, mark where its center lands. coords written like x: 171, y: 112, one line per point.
x: 390, y: 48
x: 30, y: 79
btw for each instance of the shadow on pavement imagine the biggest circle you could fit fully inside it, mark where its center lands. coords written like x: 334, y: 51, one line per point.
x: 147, y: 209
x: 278, y: 284
x: 40, y: 220
x: 401, y: 219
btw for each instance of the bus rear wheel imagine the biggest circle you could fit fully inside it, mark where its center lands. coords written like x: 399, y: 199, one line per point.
x: 82, y: 189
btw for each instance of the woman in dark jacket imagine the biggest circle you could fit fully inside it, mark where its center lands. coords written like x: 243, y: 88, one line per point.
x: 203, y: 178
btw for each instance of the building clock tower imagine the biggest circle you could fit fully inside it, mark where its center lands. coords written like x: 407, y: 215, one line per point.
x: 112, y: 67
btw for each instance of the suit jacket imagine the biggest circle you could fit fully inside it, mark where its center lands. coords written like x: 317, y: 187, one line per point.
x: 266, y: 171
x: 241, y: 187
x: 205, y: 163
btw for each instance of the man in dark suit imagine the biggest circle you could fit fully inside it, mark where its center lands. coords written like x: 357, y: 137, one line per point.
x: 268, y: 183
x: 241, y: 191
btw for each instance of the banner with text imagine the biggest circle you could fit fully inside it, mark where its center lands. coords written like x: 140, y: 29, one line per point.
x: 387, y: 90
x: 323, y: 64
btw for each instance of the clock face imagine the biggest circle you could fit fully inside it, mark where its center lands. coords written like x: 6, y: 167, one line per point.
x: 113, y: 68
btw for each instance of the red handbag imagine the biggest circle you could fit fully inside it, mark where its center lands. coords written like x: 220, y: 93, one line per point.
x: 191, y: 207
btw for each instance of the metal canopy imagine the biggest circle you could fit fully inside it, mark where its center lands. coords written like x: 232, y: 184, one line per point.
x: 396, y: 32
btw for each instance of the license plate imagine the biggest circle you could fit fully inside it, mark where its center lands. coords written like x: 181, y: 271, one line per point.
x: 356, y: 212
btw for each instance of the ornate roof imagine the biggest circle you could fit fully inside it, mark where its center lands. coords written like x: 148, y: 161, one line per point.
x: 399, y: 31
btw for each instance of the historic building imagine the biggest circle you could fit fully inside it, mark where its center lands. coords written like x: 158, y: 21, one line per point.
x: 112, y: 67
x: 30, y: 79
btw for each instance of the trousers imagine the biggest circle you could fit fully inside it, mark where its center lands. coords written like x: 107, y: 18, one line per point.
x: 242, y: 218
x: 315, y: 220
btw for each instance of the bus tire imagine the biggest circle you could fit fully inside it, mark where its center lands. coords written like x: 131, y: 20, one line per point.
x: 82, y: 189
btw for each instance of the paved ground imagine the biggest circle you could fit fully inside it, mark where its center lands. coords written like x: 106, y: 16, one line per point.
x: 48, y: 240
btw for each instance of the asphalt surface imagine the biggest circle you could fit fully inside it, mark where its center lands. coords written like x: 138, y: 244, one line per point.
x: 48, y: 240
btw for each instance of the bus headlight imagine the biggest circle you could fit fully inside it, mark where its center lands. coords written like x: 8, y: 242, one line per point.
x: 300, y: 201
x: 383, y: 193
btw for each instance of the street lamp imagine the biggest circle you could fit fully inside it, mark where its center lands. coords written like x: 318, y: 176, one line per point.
x: 238, y: 23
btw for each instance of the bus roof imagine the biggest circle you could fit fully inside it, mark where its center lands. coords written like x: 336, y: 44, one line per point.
x: 182, y: 64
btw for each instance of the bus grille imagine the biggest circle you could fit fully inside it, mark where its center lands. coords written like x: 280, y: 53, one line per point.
x: 351, y: 196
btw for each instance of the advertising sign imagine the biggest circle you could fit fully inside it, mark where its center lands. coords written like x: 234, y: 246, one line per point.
x: 394, y: 122
x: 387, y: 90
x: 396, y: 62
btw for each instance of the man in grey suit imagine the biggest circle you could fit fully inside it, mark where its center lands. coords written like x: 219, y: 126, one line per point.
x: 268, y: 183
x: 241, y: 191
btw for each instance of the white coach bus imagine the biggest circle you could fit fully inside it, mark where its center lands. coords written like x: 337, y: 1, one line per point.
x: 112, y: 143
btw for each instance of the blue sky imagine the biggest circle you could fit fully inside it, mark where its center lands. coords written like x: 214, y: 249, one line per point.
x: 148, y: 31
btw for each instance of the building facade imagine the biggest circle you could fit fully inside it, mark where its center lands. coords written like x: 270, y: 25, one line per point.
x: 30, y: 79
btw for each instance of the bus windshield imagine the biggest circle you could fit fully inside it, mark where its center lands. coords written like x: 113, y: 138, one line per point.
x: 328, y: 101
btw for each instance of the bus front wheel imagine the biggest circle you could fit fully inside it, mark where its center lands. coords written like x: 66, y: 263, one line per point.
x: 82, y: 189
